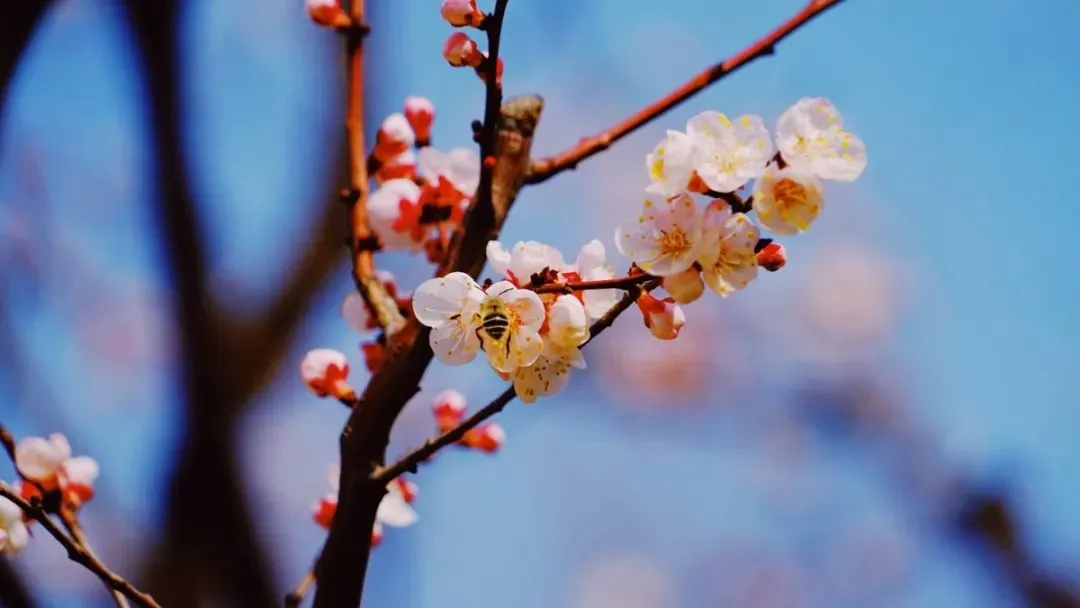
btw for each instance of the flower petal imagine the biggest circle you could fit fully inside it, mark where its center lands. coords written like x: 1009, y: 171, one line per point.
x: 529, y: 308
x: 394, y: 511
x: 498, y: 257
x: 437, y: 301
x: 354, y: 311
x: 455, y: 343
x: 568, y: 324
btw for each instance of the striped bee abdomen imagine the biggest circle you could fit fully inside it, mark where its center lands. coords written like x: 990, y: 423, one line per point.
x: 495, y: 325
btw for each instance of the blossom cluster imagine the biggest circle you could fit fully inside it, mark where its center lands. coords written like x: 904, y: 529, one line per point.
x: 50, y: 474
x: 720, y: 245
x: 422, y: 191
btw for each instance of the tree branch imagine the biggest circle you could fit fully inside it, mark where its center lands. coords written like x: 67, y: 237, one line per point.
x: 614, y: 283
x: 364, y: 243
x: 412, y: 460
x: 547, y: 168
x: 74, y: 528
x: 77, y: 552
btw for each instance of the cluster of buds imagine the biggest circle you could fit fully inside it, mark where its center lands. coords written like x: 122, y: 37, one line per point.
x: 395, y: 509
x: 449, y: 407
x: 50, y: 475
x: 460, y: 50
x: 422, y: 192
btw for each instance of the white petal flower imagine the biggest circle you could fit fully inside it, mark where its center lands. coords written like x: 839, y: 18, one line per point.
x: 39, y: 459
x: 460, y: 166
x: 524, y: 260
x: 787, y: 200
x: 671, y: 164
x: 550, y: 374
x: 14, y: 535
x: 394, y: 214
x: 811, y: 138
x: 394, y: 510
x: 449, y: 305
x: 728, y: 262
x: 80, y: 471
x: 665, y: 238
x: 568, y: 325
x: 521, y: 344
x: 591, y: 266
x: 729, y: 154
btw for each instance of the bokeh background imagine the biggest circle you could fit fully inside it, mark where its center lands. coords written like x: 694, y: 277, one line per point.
x: 888, y: 421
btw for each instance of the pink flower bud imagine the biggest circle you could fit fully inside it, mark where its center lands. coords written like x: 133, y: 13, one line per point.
x: 461, y: 13
x: 324, y: 510
x: 407, y: 489
x: 772, y: 257
x: 328, y: 13
x: 394, y: 137
x: 449, y: 408
x: 686, y: 286
x: 325, y: 372
x: 459, y: 50
x: 486, y: 438
x: 664, y: 318
x: 420, y: 113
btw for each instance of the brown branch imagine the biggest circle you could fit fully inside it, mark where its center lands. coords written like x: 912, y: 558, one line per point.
x: 549, y: 167
x: 412, y: 460
x: 296, y: 596
x: 364, y: 242
x: 340, y: 572
x: 74, y: 528
x: 76, y: 552
x: 614, y: 283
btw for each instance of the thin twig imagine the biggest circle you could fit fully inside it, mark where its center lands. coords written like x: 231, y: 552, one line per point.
x: 76, y: 552
x: 614, y: 283
x: 412, y: 460
x: 364, y: 242
x: 549, y: 167
x: 75, y: 529
x: 296, y: 596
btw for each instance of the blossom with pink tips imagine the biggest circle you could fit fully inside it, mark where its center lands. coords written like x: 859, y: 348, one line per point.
x: 400, y: 166
x: 461, y: 13
x: 394, y: 214
x: 328, y: 13
x: 394, y: 136
x: 458, y: 169
x: 325, y: 372
x: 420, y: 113
x: 666, y: 237
x: 728, y: 259
x: 459, y: 51
x: 664, y: 318
x: 49, y: 464
x: 449, y: 409
x: 486, y: 438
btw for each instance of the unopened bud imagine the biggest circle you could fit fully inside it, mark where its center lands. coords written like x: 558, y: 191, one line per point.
x: 328, y: 13
x: 459, y: 50
x: 449, y: 408
x: 420, y: 113
x: 325, y: 372
x: 664, y: 318
x: 394, y: 137
x: 461, y: 13
x: 486, y: 438
x: 686, y: 286
x: 772, y: 256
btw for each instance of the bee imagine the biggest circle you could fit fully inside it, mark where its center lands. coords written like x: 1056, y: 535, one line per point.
x: 494, y: 330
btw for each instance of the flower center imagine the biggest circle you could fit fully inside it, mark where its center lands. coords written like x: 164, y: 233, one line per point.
x: 789, y: 193
x: 674, y: 242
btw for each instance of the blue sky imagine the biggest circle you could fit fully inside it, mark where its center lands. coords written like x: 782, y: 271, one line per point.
x: 966, y: 108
